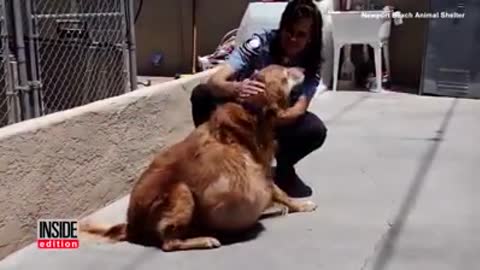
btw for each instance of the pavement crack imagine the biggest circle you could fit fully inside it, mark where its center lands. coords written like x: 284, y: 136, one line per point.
x: 378, y: 245
x: 363, y: 170
x: 385, y: 247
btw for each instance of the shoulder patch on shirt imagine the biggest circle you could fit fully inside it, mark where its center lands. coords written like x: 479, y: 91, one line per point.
x: 254, y: 43
x: 251, y: 47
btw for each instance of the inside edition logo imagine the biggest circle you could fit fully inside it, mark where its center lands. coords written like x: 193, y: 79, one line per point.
x: 57, y: 234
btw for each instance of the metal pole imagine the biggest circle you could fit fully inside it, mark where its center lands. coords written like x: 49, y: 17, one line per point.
x: 132, y: 45
x: 21, y: 59
x: 33, y: 61
x: 124, y: 45
x: 16, y: 104
x: 194, y: 37
x: 11, y: 96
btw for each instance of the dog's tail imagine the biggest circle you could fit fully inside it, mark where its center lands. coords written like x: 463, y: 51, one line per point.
x: 116, y: 233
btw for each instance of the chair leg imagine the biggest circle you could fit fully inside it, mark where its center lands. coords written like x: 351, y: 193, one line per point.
x: 386, y: 59
x: 336, y: 65
x: 378, y: 66
x: 327, y: 70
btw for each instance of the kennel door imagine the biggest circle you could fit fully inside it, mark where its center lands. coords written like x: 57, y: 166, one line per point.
x: 450, y: 68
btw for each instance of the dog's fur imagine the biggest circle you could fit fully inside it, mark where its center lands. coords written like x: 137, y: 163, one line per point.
x: 217, y: 179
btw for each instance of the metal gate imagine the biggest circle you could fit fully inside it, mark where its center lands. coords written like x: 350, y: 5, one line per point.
x: 451, y: 68
x: 68, y: 53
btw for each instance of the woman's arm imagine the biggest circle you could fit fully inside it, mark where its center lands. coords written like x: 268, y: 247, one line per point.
x: 241, y: 59
x: 291, y: 114
x: 222, y: 87
x: 309, y: 89
x: 220, y: 84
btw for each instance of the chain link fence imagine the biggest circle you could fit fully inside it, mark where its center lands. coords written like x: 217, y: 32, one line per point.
x: 7, y: 107
x: 64, y: 54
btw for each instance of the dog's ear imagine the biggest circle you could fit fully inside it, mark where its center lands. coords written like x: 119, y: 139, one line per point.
x: 271, y: 111
x: 257, y: 76
x: 230, y: 120
x: 296, y: 75
x: 296, y: 71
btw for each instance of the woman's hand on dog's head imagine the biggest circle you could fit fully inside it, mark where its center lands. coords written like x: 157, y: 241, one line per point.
x: 248, y: 88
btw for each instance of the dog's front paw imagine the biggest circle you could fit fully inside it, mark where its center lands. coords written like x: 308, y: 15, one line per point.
x: 283, y: 210
x: 211, y: 242
x: 307, y: 206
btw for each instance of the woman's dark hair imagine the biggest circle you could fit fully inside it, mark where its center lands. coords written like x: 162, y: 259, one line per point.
x: 294, y: 11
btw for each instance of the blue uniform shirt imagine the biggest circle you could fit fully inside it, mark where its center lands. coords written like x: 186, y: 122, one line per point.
x: 254, y: 54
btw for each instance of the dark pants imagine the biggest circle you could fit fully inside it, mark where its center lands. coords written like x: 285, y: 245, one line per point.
x: 295, y: 140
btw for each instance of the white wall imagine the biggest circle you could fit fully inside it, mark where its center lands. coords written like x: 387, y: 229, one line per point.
x: 67, y: 164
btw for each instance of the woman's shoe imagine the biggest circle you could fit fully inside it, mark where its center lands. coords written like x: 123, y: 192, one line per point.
x: 288, y: 180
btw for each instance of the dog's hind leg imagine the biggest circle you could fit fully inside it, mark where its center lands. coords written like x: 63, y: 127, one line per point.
x: 175, y: 222
x: 274, y: 210
x: 281, y: 197
x: 191, y: 243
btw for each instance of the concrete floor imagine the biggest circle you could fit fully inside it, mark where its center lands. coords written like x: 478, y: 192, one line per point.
x: 397, y: 187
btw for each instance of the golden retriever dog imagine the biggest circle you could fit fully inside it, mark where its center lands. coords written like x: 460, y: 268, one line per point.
x: 217, y: 179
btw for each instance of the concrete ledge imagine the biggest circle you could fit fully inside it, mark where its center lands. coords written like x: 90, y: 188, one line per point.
x: 67, y: 164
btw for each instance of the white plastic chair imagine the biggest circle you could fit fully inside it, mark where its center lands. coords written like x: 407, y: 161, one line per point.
x: 360, y: 27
